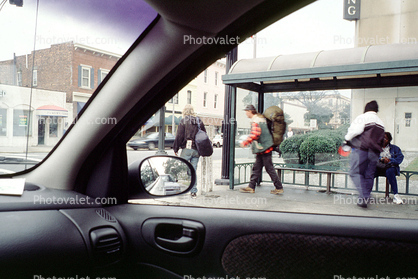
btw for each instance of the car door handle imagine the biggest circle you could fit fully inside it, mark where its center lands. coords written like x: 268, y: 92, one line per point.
x: 174, y: 235
x: 183, y: 244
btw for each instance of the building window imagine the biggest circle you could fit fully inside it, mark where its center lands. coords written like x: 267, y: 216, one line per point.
x: 215, y: 101
x: 101, y: 75
x: 216, y: 78
x: 53, y: 126
x: 189, y: 97
x: 205, y: 76
x: 205, y: 98
x: 408, y: 117
x: 20, y: 122
x: 85, y: 77
x: 175, y: 99
x: 3, y: 122
x: 35, y: 78
x: 19, y: 78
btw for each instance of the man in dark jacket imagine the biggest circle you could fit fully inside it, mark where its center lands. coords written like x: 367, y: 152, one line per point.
x: 262, y: 145
x: 390, y: 159
x: 185, y: 139
x: 365, y: 135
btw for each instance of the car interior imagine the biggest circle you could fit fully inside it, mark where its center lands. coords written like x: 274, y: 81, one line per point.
x: 44, y: 236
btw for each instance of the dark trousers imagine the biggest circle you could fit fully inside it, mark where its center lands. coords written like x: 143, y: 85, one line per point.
x: 390, y: 173
x: 266, y: 161
x: 362, y: 170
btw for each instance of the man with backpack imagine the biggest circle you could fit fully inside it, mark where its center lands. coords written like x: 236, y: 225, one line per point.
x: 262, y: 143
x: 276, y: 125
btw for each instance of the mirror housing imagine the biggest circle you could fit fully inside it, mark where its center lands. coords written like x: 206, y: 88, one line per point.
x: 161, y: 176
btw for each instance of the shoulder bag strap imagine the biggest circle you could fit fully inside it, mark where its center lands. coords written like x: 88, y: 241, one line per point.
x: 198, y: 123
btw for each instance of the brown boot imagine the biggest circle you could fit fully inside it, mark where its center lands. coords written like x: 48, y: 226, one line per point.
x: 277, y: 191
x: 247, y: 190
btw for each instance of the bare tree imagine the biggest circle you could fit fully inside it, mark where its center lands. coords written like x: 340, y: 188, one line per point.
x: 308, y: 98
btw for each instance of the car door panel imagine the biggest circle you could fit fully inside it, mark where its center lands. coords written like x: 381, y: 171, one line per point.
x: 276, y: 245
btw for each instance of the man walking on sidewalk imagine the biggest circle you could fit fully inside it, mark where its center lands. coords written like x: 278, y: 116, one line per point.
x: 262, y: 145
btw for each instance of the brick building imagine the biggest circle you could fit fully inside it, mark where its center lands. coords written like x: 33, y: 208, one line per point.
x: 41, y: 93
x: 72, y: 68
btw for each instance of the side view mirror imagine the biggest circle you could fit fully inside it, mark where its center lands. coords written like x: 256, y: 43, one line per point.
x: 164, y: 175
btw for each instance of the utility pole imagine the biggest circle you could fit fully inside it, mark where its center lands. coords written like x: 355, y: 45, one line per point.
x: 161, y: 135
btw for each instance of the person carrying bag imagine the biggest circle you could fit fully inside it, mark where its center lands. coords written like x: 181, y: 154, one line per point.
x: 203, y: 143
x: 190, y: 126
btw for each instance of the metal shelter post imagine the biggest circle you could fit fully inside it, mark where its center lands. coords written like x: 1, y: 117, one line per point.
x: 260, y: 101
x: 233, y: 128
x: 228, y: 126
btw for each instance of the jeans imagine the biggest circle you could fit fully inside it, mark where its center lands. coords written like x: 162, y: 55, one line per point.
x: 192, y: 156
x: 362, y: 171
x: 266, y: 161
x: 390, y: 173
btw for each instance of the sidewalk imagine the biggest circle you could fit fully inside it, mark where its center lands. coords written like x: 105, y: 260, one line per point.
x: 295, y: 199
x: 22, y: 149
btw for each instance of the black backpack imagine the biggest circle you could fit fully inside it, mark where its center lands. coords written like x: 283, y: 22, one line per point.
x: 203, y: 143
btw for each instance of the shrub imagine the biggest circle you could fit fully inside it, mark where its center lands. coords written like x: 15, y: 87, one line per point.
x: 290, y: 148
x: 337, y: 136
x: 317, y: 148
x: 314, y: 147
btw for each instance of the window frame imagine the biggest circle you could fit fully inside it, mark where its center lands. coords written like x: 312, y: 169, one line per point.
x: 19, y: 78
x: 205, y: 76
x: 35, y: 77
x: 205, y: 99
x: 175, y: 99
x: 81, y: 77
x: 189, y: 97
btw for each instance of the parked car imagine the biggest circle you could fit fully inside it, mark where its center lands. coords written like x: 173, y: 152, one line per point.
x: 84, y: 212
x: 151, y: 141
x: 218, y: 140
x: 164, y: 185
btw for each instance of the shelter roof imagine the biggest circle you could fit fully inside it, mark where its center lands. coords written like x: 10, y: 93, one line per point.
x: 390, y: 65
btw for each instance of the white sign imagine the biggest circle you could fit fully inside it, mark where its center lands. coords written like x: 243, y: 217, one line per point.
x: 313, y: 123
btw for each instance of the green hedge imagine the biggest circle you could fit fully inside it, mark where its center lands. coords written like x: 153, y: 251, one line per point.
x: 290, y: 149
x: 314, y: 147
x: 317, y: 148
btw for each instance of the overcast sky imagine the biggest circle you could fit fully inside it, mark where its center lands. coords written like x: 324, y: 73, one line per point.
x: 318, y: 26
x: 64, y: 21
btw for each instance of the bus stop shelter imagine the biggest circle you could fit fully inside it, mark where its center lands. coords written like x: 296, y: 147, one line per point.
x: 375, y: 66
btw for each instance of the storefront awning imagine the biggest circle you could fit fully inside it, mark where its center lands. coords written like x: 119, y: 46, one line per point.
x: 392, y: 65
x: 52, y: 110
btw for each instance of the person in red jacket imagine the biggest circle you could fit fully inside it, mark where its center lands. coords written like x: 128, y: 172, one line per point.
x: 262, y: 145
